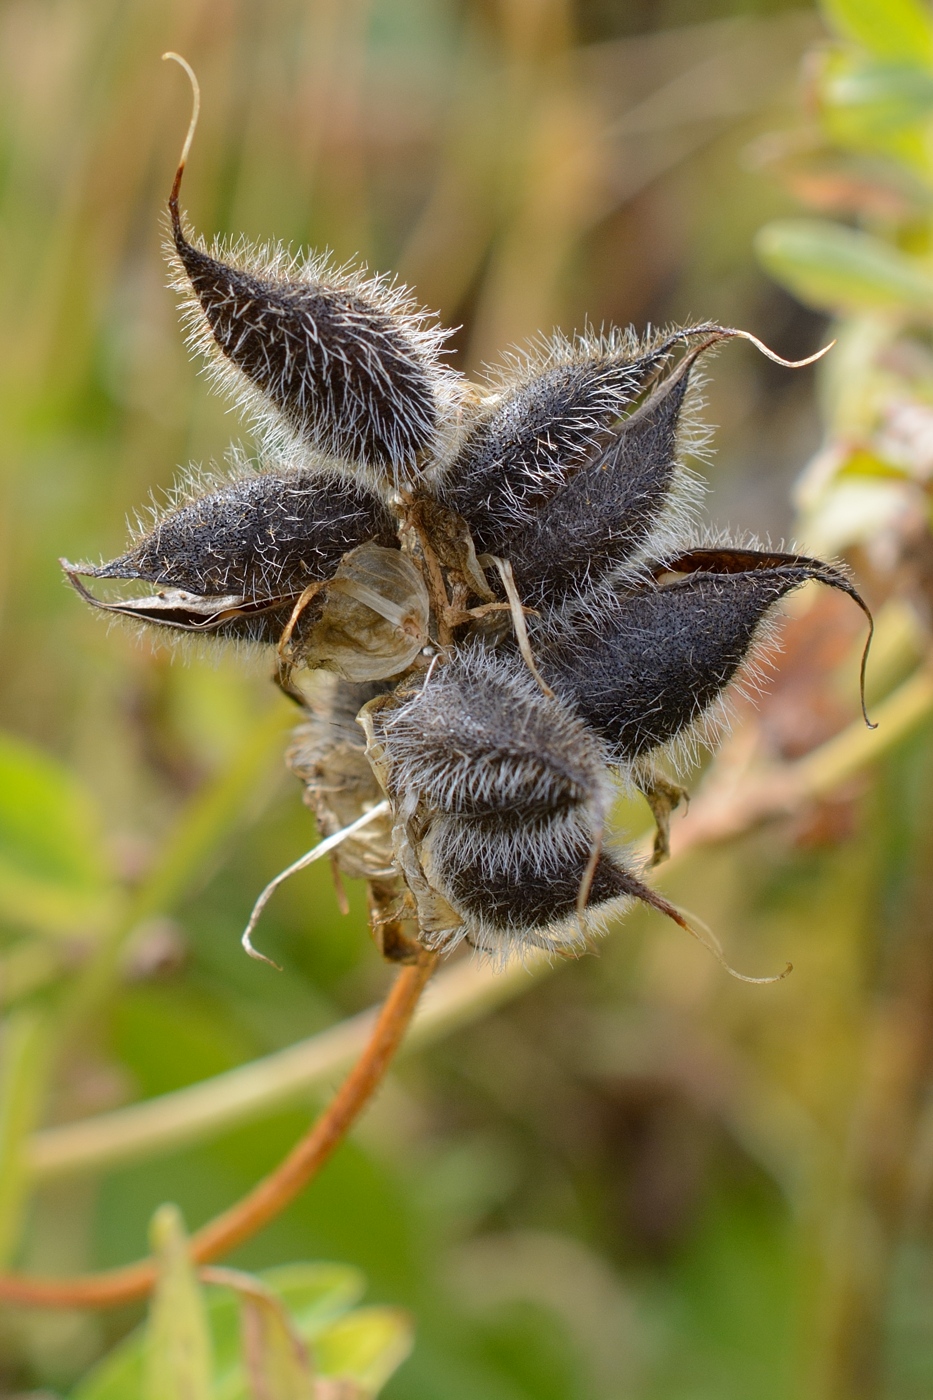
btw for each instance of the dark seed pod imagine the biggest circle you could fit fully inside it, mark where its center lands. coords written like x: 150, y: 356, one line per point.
x: 502, y: 796
x: 246, y: 550
x: 522, y: 885
x: 645, y: 669
x: 539, y: 432
x: 348, y: 362
x: 608, y: 511
x: 480, y: 739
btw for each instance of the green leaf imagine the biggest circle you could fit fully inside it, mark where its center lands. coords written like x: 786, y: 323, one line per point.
x: 894, y: 29
x: 53, y: 875
x: 832, y: 267
x: 178, y: 1363
x: 275, y: 1357
x: 315, y: 1294
x: 366, y: 1346
x: 872, y: 105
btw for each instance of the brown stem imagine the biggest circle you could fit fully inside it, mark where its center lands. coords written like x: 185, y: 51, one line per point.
x: 271, y: 1195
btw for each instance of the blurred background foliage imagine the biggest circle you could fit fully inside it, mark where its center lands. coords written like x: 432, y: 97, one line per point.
x: 638, y: 1178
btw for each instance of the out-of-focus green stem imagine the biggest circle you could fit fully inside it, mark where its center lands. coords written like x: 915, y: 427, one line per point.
x: 31, y: 965
x: 26, y: 1051
x: 208, y: 820
x: 31, y: 1058
x: 466, y: 990
x: 829, y: 765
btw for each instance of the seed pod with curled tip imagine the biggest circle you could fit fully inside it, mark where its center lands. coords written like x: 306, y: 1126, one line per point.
x: 520, y: 887
x: 644, y: 669
x: 245, y: 551
x: 610, y: 509
x: 344, y: 363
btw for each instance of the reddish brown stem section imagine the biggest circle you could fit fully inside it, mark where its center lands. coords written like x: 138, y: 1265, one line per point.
x: 271, y: 1195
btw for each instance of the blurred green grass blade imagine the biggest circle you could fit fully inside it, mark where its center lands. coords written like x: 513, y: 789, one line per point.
x: 178, y: 1363
x: 28, y: 965
x: 366, y: 1347
x: 211, y: 815
x: 25, y: 1048
x: 896, y: 29
x: 835, y: 268
x: 53, y: 872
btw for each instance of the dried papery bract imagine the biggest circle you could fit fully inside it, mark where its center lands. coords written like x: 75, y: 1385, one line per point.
x: 344, y: 363
x: 374, y: 621
x: 327, y: 754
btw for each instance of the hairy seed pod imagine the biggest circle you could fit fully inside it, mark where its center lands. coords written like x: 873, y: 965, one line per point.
x: 480, y: 739
x: 553, y: 417
x: 609, y: 510
x: 348, y: 362
x: 517, y: 887
x: 645, y: 669
x: 263, y: 536
x: 490, y: 777
x: 235, y: 559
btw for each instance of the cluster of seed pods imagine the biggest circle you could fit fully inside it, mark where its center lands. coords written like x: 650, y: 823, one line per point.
x: 494, y: 603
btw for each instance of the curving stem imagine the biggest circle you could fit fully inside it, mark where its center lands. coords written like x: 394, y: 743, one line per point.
x: 271, y: 1195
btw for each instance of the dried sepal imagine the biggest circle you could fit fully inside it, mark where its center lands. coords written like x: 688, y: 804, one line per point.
x: 328, y: 755
x: 651, y: 663
x: 230, y: 617
x: 373, y: 620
